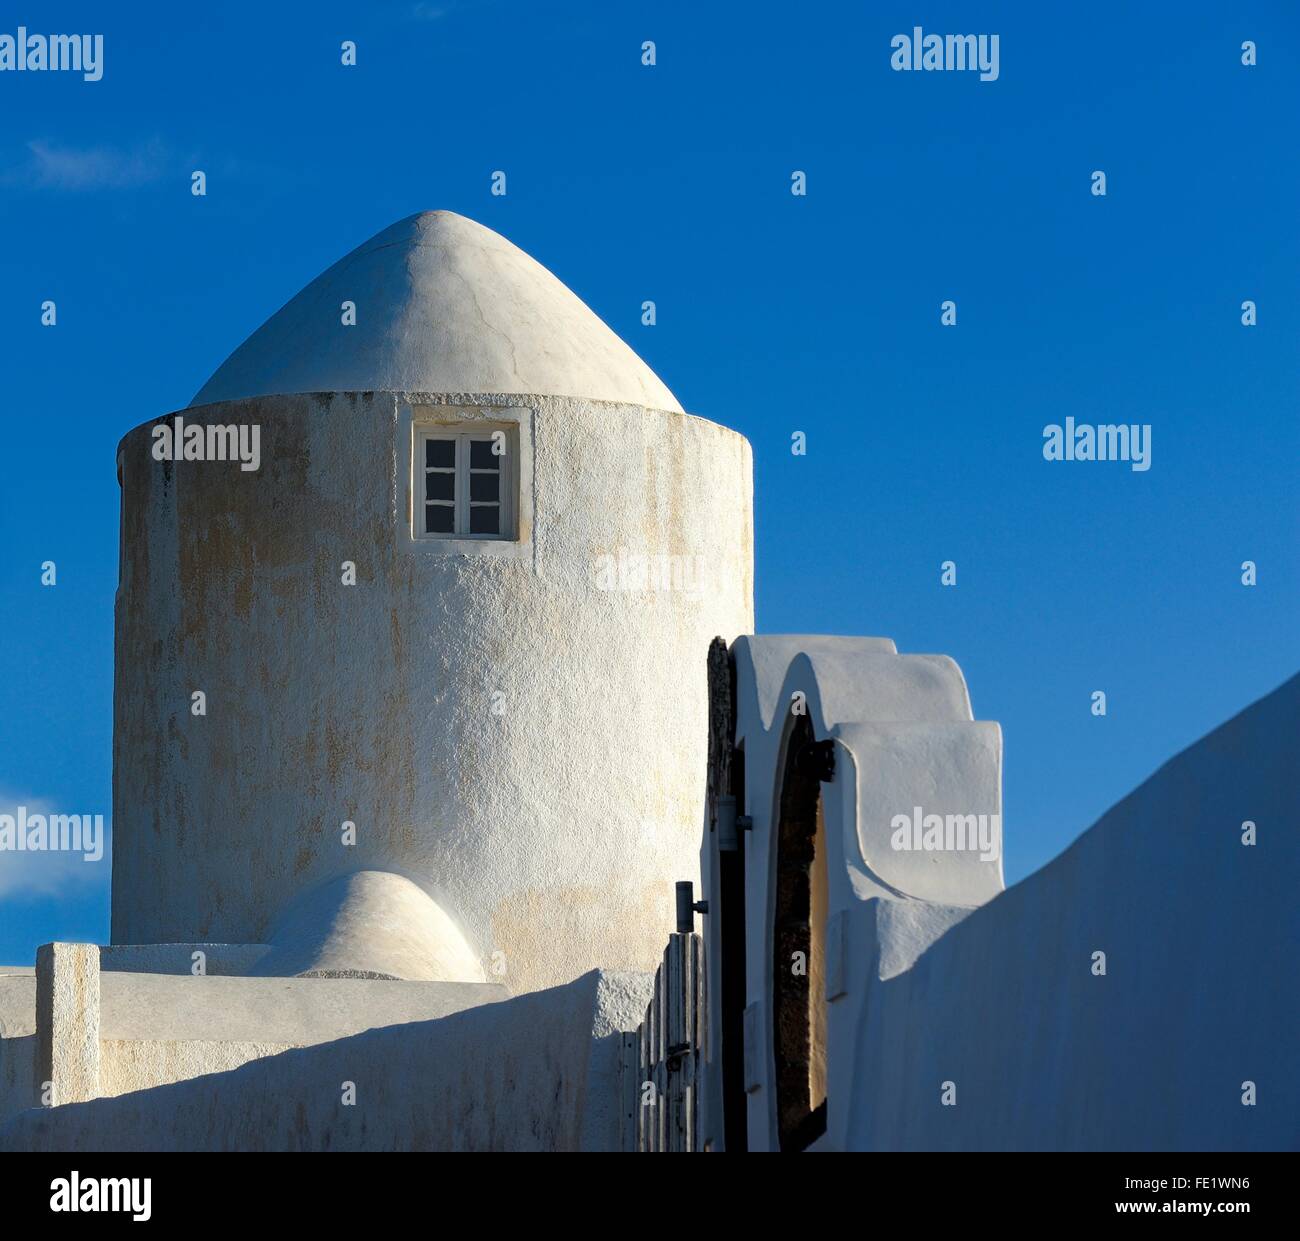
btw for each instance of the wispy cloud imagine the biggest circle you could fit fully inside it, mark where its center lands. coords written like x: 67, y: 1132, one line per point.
x: 29, y: 873
x: 51, y: 166
x: 430, y: 10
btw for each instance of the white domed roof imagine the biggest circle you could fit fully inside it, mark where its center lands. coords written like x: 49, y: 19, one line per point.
x: 442, y: 305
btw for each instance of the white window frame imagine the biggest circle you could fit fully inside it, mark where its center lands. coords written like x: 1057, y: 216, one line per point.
x: 462, y: 435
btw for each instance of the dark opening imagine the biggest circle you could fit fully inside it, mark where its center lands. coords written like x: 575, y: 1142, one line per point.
x: 731, y: 887
x: 798, y: 945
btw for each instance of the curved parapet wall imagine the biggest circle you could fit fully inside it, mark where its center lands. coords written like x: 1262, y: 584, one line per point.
x: 902, y: 725
x: 928, y: 809
x: 518, y: 727
x: 911, y: 816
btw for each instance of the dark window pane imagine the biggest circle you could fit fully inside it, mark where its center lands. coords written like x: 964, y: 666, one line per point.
x: 485, y: 520
x: 440, y: 454
x: 481, y: 456
x: 484, y: 487
x: 440, y: 486
x: 439, y: 519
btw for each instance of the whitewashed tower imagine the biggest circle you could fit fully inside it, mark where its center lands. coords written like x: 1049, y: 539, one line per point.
x: 510, y: 702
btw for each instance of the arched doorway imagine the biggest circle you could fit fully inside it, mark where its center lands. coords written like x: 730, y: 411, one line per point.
x: 799, y: 941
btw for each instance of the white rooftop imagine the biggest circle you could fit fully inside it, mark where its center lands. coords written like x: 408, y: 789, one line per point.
x: 443, y: 305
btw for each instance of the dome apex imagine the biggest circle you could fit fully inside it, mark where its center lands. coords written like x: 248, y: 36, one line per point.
x: 443, y: 304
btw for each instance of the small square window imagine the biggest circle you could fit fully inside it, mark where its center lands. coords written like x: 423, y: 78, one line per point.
x: 465, y: 481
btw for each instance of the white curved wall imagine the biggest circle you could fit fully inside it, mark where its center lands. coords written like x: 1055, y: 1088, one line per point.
x: 1047, y: 1053
x: 551, y: 833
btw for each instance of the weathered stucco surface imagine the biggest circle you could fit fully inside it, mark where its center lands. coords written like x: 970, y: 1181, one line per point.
x: 67, y: 1021
x: 17, y: 1040
x: 158, y: 1028
x: 17, y: 1001
x: 550, y: 833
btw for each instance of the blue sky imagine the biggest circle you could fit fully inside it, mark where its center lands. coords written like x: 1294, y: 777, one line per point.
x: 776, y: 313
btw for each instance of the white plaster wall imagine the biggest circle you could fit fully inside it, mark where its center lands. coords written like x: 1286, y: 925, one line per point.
x: 17, y: 1001
x: 532, y: 1073
x: 1200, y: 934
x: 17, y: 1040
x: 126, y: 1066
x: 17, y: 1075
x: 298, y: 1011
x: 552, y: 833
x: 157, y: 1028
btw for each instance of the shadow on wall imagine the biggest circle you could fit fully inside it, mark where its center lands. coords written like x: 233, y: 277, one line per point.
x: 1200, y: 934
x: 537, y: 1072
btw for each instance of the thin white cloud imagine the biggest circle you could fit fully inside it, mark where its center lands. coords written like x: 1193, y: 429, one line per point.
x: 51, y: 166
x: 50, y: 873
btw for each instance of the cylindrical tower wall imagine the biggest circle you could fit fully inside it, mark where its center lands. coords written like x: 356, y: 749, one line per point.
x: 517, y: 727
